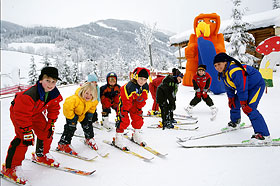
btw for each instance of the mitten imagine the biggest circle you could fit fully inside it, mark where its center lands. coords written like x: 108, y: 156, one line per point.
x: 28, y: 136
x: 198, y: 94
x: 231, y: 102
x: 52, y: 127
x: 245, y: 107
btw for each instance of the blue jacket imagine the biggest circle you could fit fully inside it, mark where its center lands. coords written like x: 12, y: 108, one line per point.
x: 235, y: 80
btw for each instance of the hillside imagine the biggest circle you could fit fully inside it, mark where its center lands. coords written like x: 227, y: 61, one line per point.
x: 98, y: 40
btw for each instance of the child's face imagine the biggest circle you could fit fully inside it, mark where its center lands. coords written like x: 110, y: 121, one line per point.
x: 48, y: 83
x: 87, y: 95
x: 220, y: 66
x: 201, y: 72
x: 141, y: 81
x: 112, y: 81
x: 94, y: 83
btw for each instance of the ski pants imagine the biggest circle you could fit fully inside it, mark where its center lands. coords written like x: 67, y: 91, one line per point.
x: 17, y: 150
x: 257, y: 120
x: 197, y: 99
x: 71, y: 126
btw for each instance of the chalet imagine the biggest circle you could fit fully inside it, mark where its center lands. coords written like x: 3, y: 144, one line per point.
x: 265, y: 25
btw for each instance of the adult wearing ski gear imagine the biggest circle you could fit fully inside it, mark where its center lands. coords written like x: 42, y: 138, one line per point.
x: 249, y: 86
x: 109, y: 98
x: 133, y: 98
x: 34, y: 110
x: 166, y: 96
x: 79, y: 108
x: 153, y: 90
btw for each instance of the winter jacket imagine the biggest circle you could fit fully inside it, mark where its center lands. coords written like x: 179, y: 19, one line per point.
x: 235, y: 80
x: 167, y: 90
x: 29, y: 106
x: 132, y: 95
x: 201, y: 82
x: 75, y: 105
x: 110, y: 95
x: 154, y: 85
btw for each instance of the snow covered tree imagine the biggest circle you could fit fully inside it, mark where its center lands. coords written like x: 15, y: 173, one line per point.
x: 144, y: 38
x: 65, y: 73
x: 239, y: 38
x: 275, y: 4
x: 32, y: 74
x: 46, y: 61
x: 75, y: 73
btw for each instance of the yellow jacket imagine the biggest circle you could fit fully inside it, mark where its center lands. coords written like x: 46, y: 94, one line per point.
x: 79, y: 106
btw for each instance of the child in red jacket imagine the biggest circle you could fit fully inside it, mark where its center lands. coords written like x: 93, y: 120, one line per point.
x: 201, y: 84
x: 109, y: 94
x: 33, y: 110
x: 133, y: 98
x: 153, y: 90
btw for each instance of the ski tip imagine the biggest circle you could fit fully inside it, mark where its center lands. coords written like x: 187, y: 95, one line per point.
x: 148, y: 159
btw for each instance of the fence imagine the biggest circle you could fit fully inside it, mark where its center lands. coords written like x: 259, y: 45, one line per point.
x: 13, y: 89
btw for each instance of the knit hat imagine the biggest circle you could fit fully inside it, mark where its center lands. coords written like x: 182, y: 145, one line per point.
x: 201, y: 67
x: 141, y: 72
x: 50, y: 72
x: 92, y: 77
x: 223, y: 57
x: 177, y: 73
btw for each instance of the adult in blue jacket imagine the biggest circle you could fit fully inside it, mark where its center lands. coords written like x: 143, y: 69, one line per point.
x: 244, y: 87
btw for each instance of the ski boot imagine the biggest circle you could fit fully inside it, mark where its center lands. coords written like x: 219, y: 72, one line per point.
x: 66, y: 148
x: 137, y: 137
x: 189, y: 109
x: 260, y: 139
x: 91, y: 143
x: 232, y: 124
x: 15, y: 174
x: 46, y: 159
x: 119, y: 142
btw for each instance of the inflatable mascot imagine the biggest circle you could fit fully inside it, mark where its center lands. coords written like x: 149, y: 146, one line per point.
x: 202, y: 48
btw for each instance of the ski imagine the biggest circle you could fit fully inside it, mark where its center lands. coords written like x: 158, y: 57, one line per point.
x: 129, y: 152
x: 183, y: 123
x: 223, y: 130
x: 102, y: 154
x: 272, y: 144
x: 66, y: 169
x: 76, y: 135
x: 12, y: 181
x: 158, y: 126
x: 75, y: 156
x: 186, y: 116
x: 147, y: 148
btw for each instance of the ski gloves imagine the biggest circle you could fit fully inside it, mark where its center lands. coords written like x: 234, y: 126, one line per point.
x: 28, y: 136
x: 245, y: 107
x: 52, y: 127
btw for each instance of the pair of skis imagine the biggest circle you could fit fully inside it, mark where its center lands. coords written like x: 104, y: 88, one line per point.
x: 246, y: 143
x: 150, y: 149
x: 177, y: 126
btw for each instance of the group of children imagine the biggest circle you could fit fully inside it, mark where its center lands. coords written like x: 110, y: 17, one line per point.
x: 37, y: 108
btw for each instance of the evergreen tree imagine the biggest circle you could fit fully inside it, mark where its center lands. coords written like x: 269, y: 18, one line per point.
x: 75, y: 73
x: 239, y: 38
x: 32, y: 72
x: 65, y: 73
x: 275, y: 4
x: 144, y: 38
x: 46, y: 61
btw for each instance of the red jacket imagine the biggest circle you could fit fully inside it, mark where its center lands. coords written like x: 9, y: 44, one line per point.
x: 28, y: 107
x: 201, y: 82
x: 154, y: 85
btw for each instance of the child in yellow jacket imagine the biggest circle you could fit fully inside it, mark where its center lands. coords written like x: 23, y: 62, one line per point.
x: 79, y: 108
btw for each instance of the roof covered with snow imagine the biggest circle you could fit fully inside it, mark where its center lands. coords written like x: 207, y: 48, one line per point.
x: 259, y: 20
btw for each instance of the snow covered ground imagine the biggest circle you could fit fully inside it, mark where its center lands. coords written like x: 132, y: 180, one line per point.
x: 199, y: 167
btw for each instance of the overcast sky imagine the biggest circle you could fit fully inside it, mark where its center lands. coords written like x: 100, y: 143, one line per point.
x: 172, y: 15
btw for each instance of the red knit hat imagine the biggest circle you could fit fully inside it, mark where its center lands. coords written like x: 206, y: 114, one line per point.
x: 141, y: 72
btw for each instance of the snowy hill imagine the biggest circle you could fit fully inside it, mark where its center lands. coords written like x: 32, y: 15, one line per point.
x: 196, y: 167
x: 98, y: 39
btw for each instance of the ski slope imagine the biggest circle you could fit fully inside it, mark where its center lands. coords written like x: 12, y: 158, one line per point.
x: 199, y: 167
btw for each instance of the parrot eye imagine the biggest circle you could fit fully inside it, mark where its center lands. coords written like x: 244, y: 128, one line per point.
x: 212, y: 21
x: 201, y: 20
